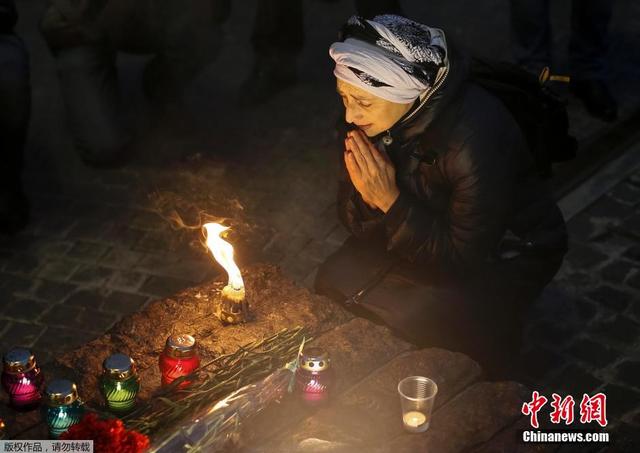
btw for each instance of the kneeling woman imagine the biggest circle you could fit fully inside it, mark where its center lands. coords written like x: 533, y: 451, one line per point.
x: 453, y: 232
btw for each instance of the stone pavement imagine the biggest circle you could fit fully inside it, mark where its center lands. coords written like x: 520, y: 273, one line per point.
x: 367, y: 362
x: 97, y: 249
x: 584, y: 331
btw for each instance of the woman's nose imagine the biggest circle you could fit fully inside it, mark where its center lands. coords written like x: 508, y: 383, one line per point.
x: 351, y: 114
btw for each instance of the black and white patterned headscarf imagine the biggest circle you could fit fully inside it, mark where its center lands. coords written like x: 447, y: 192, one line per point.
x: 391, y: 57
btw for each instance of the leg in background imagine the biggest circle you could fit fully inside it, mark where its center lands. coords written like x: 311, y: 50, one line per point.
x: 371, y: 8
x: 15, y: 92
x: 531, y: 34
x: 588, y: 52
x: 89, y: 85
x: 277, y: 40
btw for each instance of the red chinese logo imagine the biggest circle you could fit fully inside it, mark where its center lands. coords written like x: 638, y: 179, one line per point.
x: 533, y: 407
x: 562, y: 409
x: 592, y: 409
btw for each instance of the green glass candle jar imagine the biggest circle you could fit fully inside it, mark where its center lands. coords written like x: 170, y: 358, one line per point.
x: 119, y: 383
x: 64, y: 408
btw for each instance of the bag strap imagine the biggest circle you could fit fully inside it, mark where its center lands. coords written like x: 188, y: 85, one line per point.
x: 356, y: 297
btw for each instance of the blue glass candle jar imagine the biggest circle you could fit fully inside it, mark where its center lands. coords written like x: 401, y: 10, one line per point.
x: 63, y: 407
x: 119, y: 383
x: 22, y: 379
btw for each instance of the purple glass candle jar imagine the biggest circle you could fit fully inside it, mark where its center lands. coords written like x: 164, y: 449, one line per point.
x: 314, y: 377
x: 22, y: 379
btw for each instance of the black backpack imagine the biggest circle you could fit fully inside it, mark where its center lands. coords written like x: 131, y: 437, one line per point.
x: 540, y: 113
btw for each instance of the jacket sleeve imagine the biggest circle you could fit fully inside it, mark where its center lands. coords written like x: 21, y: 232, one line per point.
x: 462, y: 234
x: 8, y: 16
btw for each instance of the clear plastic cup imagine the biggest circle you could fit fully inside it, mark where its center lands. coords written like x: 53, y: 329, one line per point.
x: 417, y: 395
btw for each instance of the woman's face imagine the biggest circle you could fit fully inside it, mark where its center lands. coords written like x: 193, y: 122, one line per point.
x: 370, y: 113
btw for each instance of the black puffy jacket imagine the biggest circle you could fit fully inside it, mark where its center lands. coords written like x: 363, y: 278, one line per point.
x: 468, y: 184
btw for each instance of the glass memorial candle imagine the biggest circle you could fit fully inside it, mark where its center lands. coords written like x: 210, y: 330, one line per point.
x: 178, y: 359
x: 119, y: 383
x: 2, y: 428
x: 63, y: 406
x: 22, y: 379
x: 314, y: 376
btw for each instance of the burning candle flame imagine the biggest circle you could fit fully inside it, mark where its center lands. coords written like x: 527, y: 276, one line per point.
x: 222, y: 251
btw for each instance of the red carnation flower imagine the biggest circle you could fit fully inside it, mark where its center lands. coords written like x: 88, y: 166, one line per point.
x: 109, y: 436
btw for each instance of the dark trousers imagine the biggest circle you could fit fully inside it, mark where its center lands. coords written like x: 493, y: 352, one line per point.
x: 480, y: 314
x: 531, y: 36
x: 279, y: 24
x: 181, y: 41
x: 15, y: 109
x: 89, y: 83
x: 370, y: 8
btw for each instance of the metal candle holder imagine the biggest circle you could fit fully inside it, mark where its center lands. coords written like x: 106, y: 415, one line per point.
x: 233, y: 307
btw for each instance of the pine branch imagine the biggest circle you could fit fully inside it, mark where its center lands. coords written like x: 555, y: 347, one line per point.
x: 170, y: 406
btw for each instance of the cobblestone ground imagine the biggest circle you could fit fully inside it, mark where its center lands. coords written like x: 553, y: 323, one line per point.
x: 583, y: 334
x: 97, y: 249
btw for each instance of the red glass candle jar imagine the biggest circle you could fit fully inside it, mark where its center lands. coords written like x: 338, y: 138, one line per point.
x: 22, y: 379
x: 314, y: 376
x: 178, y: 359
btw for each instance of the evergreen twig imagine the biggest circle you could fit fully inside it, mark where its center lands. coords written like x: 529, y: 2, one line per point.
x: 214, y: 380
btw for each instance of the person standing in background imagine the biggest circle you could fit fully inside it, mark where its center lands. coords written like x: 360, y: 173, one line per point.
x: 85, y: 38
x: 15, y: 111
x: 531, y: 39
x: 277, y: 40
